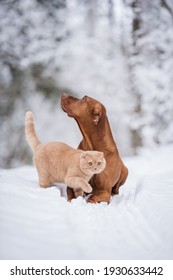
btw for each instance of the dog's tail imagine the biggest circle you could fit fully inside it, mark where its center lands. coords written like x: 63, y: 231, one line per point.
x: 30, y: 133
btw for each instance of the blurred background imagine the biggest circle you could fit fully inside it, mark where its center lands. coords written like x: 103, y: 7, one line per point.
x: 117, y: 51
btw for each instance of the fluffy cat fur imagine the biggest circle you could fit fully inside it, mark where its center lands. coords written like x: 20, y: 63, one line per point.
x: 57, y: 162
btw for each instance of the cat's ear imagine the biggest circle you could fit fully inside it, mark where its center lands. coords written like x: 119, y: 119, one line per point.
x: 84, y: 155
x: 97, y: 113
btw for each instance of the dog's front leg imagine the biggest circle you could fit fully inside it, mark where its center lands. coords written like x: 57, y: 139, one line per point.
x: 70, y: 193
x: 101, y: 189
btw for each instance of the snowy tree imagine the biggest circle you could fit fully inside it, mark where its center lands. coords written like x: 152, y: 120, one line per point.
x: 150, y: 64
x: 119, y: 52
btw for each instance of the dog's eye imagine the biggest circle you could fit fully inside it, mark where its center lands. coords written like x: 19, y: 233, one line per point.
x: 90, y: 163
x: 99, y: 163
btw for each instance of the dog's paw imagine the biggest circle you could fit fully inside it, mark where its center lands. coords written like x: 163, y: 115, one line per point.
x: 96, y: 198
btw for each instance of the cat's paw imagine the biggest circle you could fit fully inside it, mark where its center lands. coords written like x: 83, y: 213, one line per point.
x: 87, y: 188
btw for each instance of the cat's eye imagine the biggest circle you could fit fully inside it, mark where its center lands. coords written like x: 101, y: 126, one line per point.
x: 90, y: 163
x: 99, y: 163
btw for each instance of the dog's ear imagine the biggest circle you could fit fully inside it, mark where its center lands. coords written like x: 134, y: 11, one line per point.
x: 97, y: 113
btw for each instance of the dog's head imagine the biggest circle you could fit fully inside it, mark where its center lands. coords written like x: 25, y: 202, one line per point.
x: 84, y: 109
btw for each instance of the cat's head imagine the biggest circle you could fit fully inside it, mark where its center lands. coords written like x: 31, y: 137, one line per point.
x: 92, y: 162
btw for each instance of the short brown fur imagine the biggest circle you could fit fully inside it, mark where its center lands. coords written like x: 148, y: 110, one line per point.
x: 93, y: 123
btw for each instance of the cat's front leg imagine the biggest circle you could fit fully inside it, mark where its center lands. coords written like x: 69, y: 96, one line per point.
x: 44, y: 179
x: 77, y: 182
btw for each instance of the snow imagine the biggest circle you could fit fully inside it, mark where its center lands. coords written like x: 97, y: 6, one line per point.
x: 138, y: 223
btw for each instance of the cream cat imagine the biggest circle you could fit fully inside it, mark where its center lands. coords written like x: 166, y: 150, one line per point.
x: 57, y: 162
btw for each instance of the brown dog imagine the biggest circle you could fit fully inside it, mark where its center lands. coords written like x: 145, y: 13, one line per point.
x: 91, y: 118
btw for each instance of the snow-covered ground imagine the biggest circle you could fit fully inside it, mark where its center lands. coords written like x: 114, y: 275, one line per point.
x: 138, y: 224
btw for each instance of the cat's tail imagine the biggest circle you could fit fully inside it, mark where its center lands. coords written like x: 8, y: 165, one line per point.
x: 30, y: 133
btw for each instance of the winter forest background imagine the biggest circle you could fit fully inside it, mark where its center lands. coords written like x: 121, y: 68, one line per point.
x: 117, y: 51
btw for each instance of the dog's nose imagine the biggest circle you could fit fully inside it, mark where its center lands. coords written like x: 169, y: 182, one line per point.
x: 65, y: 94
